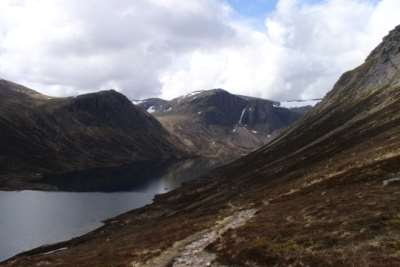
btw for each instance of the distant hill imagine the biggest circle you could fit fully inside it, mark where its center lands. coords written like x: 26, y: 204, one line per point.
x: 216, y: 123
x: 41, y: 134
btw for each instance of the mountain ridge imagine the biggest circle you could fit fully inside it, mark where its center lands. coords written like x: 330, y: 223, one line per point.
x: 220, y: 124
x: 42, y: 135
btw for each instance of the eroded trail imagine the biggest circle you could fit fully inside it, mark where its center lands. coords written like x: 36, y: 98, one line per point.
x: 192, y: 250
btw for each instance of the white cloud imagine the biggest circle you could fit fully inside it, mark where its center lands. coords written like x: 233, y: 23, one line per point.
x: 71, y: 46
x: 301, y: 53
x: 170, y: 47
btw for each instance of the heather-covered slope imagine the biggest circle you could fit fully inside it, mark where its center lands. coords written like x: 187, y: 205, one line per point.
x: 325, y: 193
x: 40, y: 134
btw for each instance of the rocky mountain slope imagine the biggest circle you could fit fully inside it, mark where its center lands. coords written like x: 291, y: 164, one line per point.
x: 219, y: 124
x: 324, y: 193
x: 41, y: 134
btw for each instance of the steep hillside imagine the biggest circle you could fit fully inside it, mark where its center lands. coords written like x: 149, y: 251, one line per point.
x: 41, y: 135
x: 325, y: 193
x: 219, y: 124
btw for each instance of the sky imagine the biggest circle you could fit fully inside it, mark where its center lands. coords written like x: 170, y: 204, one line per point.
x: 276, y: 49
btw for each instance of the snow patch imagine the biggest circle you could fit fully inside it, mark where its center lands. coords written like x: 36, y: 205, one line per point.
x: 298, y: 103
x: 151, y: 109
x: 137, y: 102
x: 55, y: 251
x: 192, y: 94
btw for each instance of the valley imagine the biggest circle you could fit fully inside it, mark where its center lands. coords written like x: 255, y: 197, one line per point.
x: 324, y: 192
x: 87, y: 158
x: 49, y: 142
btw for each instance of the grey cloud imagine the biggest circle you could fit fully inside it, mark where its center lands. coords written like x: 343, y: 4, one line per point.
x: 169, y: 47
x: 125, y: 44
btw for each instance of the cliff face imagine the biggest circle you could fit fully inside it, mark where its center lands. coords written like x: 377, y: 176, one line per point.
x: 40, y: 134
x: 219, y: 124
x: 324, y: 193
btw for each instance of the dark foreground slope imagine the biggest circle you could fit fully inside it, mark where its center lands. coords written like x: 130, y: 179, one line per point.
x: 325, y: 193
x: 219, y: 124
x: 41, y: 135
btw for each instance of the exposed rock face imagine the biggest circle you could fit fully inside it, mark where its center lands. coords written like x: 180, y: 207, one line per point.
x: 40, y: 134
x: 219, y: 124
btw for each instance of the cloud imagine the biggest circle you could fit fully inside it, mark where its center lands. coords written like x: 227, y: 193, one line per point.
x: 302, y: 51
x: 70, y: 46
x: 148, y: 48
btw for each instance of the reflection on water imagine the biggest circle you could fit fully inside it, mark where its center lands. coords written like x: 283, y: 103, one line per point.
x: 29, y: 219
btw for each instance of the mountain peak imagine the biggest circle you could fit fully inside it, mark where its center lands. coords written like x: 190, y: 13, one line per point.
x: 383, y: 63
x: 114, y: 107
x: 390, y: 46
x: 110, y: 92
x: 203, y: 94
x: 106, y: 96
x: 217, y: 91
x: 380, y: 70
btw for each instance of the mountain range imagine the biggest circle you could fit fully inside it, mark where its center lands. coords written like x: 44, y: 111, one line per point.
x: 323, y: 193
x: 44, y: 141
x: 218, y: 124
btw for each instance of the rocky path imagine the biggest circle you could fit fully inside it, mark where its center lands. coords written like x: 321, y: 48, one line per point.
x: 192, y: 250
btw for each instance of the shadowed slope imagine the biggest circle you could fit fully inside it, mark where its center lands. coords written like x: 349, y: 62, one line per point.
x: 40, y: 134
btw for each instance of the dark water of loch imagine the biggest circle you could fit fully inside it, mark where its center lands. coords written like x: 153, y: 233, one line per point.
x: 29, y: 219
